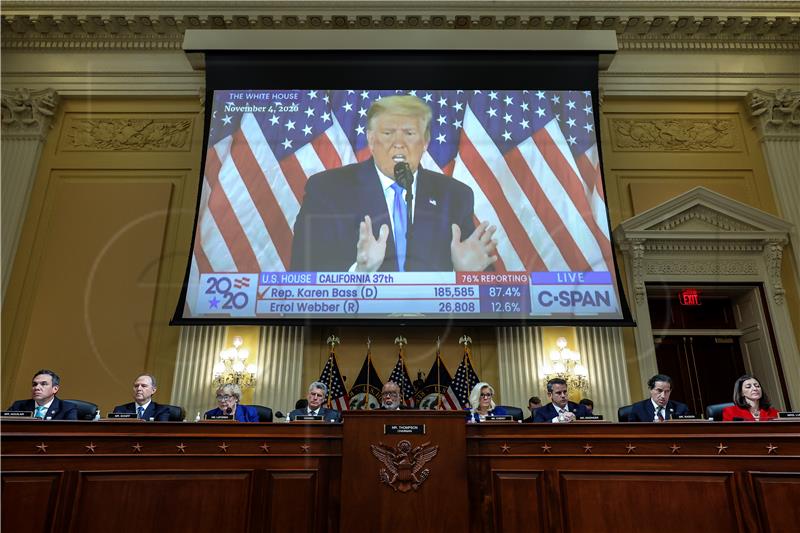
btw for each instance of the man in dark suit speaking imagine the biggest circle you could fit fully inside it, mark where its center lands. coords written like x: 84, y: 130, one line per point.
x: 658, y: 407
x: 144, y: 387
x: 355, y: 218
x: 43, y: 403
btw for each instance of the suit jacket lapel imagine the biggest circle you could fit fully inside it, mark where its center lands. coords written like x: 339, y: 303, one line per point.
x: 54, y: 408
x: 150, y: 412
x: 373, y: 201
x: 650, y: 410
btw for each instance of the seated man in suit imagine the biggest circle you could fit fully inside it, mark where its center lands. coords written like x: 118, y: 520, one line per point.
x: 533, y: 404
x: 658, y: 407
x: 144, y: 387
x: 43, y: 403
x: 390, y: 397
x: 354, y: 217
x: 317, y: 393
x: 560, y: 409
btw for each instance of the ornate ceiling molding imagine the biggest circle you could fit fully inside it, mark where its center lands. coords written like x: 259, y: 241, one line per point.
x: 640, y: 25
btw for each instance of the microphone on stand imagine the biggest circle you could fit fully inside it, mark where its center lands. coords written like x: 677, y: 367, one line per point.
x: 404, y: 176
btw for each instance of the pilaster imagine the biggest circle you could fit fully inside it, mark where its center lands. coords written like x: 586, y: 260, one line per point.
x: 26, y: 118
x: 776, y: 117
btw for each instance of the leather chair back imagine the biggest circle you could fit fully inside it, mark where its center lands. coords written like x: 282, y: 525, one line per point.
x: 176, y: 413
x: 624, y: 413
x: 264, y: 413
x: 516, y: 412
x: 714, y: 412
x: 86, y: 410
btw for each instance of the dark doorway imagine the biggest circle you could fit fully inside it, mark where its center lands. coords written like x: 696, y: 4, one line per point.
x: 703, y: 368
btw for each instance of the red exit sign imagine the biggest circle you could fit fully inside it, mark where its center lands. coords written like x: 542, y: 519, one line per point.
x: 689, y: 297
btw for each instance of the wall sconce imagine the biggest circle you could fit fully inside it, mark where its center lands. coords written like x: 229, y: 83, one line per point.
x: 565, y: 364
x: 231, y: 368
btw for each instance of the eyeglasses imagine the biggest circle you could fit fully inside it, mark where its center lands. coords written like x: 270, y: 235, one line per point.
x: 223, y: 397
x: 390, y: 394
x: 486, y: 395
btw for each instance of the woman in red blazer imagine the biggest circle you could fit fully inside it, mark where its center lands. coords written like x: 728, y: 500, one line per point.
x: 750, y: 402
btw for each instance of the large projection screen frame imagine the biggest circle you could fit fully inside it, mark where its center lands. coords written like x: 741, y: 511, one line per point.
x: 373, y: 59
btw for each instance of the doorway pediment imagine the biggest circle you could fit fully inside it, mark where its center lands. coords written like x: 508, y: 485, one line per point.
x: 701, y: 213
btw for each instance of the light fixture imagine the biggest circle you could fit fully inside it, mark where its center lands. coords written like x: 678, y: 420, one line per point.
x: 565, y: 364
x: 232, y: 367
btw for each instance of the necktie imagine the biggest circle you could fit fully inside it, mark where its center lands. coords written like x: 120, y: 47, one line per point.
x: 140, y: 411
x: 40, y: 411
x: 399, y: 220
x: 660, y: 414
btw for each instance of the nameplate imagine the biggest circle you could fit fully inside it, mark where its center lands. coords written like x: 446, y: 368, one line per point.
x: 789, y: 414
x: 17, y: 414
x: 590, y: 417
x: 404, y: 429
x: 116, y: 416
x: 686, y: 417
x: 219, y: 417
x: 309, y: 418
x: 499, y: 418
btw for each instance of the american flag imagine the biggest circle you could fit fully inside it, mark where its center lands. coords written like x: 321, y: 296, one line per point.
x: 337, y: 394
x: 438, y: 383
x: 399, y: 375
x: 465, y: 379
x: 530, y: 157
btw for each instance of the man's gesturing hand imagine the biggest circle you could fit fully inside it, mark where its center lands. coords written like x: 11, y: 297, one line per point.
x: 477, y: 252
x: 369, y: 250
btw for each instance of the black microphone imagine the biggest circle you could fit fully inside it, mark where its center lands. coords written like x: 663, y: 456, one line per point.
x: 228, y: 410
x: 404, y: 176
x: 278, y: 414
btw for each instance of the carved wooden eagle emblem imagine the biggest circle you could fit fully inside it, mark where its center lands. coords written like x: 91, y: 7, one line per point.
x: 404, y: 466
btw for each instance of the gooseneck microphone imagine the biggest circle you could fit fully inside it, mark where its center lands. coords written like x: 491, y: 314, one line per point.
x: 404, y: 176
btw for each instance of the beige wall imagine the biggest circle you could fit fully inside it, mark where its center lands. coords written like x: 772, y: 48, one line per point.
x: 655, y: 149
x: 103, y: 248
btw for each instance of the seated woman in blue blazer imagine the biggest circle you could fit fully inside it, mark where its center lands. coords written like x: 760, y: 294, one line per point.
x: 228, y: 397
x: 482, y: 401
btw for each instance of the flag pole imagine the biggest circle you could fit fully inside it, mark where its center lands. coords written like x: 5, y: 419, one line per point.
x: 369, y: 364
x: 401, y: 341
x: 438, y: 374
x: 466, y: 340
x: 333, y: 340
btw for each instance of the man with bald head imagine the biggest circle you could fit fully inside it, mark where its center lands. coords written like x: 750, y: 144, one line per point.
x: 143, y: 406
x: 355, y: 218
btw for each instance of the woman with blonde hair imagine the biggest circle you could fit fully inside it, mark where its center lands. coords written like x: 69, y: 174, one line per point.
x: 481, y: 401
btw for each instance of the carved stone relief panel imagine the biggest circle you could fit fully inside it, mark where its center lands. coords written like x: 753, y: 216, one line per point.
x: 105, y: 134
x: 675, y: 135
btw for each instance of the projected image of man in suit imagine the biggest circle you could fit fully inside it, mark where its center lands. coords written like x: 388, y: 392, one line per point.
x: 355, y: 218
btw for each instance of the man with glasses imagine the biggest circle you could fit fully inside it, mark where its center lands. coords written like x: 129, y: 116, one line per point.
x: 228, y: 397
x: 317, y: 393
x: 43, y: 403
x: 144, y: 387
x: 560, y: 410
x: 390, y: 397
